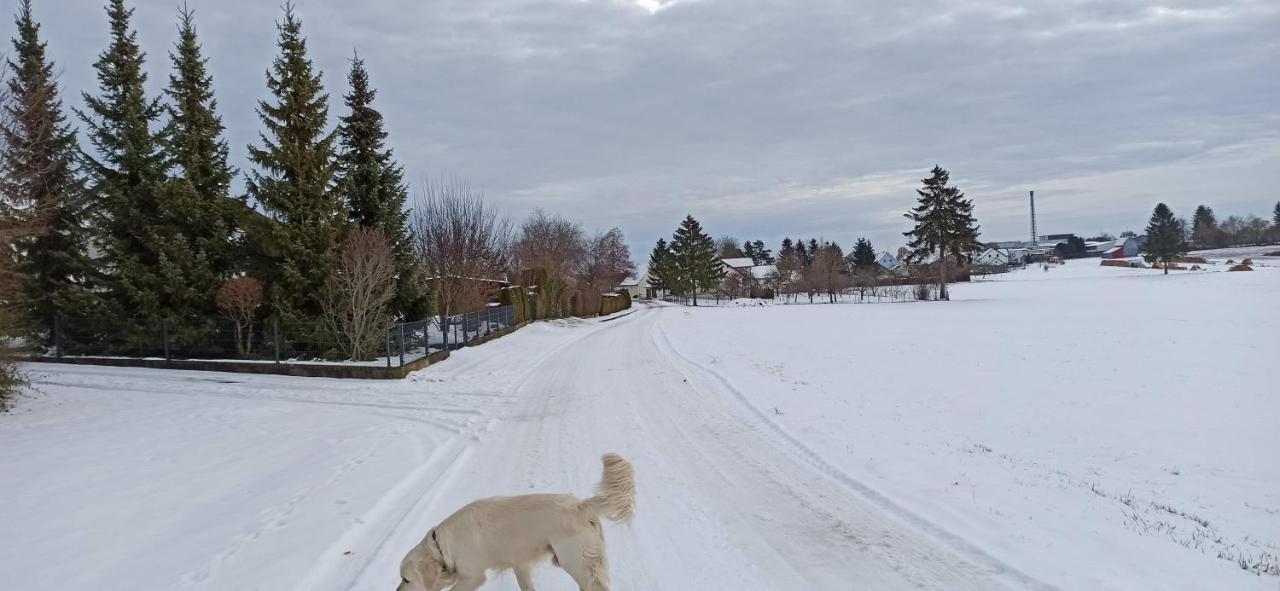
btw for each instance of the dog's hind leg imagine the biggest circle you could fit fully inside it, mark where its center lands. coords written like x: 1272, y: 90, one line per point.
x: 524, y: 577
x: 584, y: 559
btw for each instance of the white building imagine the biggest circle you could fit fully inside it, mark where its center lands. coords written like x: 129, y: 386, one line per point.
x: 637, y: 285
x: 888, y: 261
x: 993, y: 257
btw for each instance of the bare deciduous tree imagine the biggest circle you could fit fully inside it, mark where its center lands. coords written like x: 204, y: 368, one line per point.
x: 549, y: 252
x: 607, y: 262
x: 827, y: 273
x: 459, y: 242
x: 239, y: 299
x: 358, y: 296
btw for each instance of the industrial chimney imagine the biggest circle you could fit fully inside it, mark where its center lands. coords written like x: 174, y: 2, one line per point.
x: 1033, y: 220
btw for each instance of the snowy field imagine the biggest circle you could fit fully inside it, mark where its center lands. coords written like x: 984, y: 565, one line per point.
x: 1081, y: 428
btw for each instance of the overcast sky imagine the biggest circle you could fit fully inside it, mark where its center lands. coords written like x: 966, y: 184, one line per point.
x: 772, y: 118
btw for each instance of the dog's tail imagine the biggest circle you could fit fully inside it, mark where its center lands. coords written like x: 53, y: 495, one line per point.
x: 616, y: 493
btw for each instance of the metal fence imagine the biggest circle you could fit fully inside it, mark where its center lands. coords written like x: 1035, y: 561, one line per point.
x: 410, y: 341
x: 266, y: 341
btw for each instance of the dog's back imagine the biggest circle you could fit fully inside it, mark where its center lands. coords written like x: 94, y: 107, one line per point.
x: 516, y: 532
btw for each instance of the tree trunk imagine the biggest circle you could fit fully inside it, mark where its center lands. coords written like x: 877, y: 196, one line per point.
x: 942, y: 279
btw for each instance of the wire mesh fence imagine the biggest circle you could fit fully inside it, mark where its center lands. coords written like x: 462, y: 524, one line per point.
x: 410, y: 341
x: 267, y: 341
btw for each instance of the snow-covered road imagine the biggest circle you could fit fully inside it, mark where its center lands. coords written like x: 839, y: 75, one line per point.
x: 725, y: 500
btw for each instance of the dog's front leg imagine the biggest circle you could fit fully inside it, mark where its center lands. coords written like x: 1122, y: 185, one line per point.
x: 524, y: 577
x: 469, y: 582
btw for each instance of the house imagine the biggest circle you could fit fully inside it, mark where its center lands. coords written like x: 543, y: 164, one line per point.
x: 757, y: 276
x: 739, y: 263
x: 888, y: 261
x: 993, y: 257
x: 637, y: 286
x: 1115, y: 252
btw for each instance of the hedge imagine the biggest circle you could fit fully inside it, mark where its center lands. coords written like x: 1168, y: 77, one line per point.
x: 612, y: 303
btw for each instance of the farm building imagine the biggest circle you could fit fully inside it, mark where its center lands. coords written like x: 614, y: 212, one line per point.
x: 1134, y: 245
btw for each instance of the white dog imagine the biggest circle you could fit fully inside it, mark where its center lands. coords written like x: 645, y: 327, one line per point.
x: 517, y: 532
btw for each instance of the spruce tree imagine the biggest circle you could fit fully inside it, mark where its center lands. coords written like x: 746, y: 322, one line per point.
x: 204, y: 216
x: 128, y: 172
x: 944, y: 227
x: 1204, y: 227
x: 787, y: 248
x: 293, y: 183
x: 660, y: 271
x: 762, y: 256
x: 40, y: 187
x: 371, y: 185
x: 749, y: 251
x: 802, y: 254
x: 1166, y: 240
x: 1275, y: 217
x: 693, y: 255
x: 864, y: 255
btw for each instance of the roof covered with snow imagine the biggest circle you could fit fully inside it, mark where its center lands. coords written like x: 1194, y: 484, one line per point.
x: 739, y: 263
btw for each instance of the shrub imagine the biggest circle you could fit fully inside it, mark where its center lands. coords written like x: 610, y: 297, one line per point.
x: 517, y: 297
x: 238, y: 299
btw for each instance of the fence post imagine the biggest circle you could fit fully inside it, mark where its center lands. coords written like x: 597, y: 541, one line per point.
x: 57, y: 336
x: 275, y: 335
x: 387, y: 334
x: 164, y: 333
x: 401, y: 343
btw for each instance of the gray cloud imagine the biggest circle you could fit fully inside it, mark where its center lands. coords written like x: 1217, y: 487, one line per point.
x: 772, y: 118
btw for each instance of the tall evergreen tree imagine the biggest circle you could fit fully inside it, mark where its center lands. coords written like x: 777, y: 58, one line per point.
x: 39, y: 186
x: 864, y: 255
x: 128, y: 171
x: 1166, y: 240
x: 294, y: 185
x: 803, y: 257
x: 944, y: 227
x: 1275, y: 217
x: 762, y: 255
x: 693, y: 255
x: 814, y: 247
x: 1204, y: 227
x: 660, y: 271
x: 204, y: 216
x: 371, y: 185
x: 749, y: 251
x: 787, y: 248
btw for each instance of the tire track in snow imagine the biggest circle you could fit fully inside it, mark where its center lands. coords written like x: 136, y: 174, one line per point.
x: 722, y: 503
x: 418, y: 494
